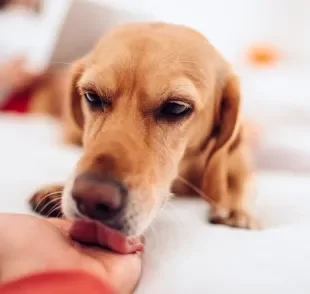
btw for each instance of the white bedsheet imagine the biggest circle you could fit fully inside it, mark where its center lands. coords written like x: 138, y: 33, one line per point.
x: 184, y: 254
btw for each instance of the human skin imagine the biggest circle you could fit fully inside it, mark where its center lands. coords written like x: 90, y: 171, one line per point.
x: 45, y: 245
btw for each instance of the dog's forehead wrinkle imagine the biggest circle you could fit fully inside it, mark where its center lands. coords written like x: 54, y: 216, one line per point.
x: 145, y: 68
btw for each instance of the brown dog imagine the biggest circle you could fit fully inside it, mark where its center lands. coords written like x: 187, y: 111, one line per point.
x: 157, y: 110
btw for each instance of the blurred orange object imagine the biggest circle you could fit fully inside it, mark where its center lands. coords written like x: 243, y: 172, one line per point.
x: 263, y: 54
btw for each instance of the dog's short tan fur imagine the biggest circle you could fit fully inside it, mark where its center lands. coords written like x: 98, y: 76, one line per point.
x: 138, y: 67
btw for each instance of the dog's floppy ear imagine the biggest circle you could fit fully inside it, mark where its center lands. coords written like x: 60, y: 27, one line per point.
x: 226, y: 121
x: 225, y: 137
x: 73, y: 115
x: 227, y: 174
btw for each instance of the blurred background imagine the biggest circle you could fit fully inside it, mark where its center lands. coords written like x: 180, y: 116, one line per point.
x: 268, y: 44
x: 266, y: 41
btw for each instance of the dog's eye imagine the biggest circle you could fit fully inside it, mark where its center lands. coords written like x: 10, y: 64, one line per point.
x: 93, y: 99
x: 175, y: 109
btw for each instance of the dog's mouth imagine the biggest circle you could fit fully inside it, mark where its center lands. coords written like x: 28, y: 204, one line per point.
x: 97, y: 234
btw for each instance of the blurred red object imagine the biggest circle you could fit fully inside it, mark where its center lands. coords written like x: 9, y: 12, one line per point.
x: 22, y: 83
x: 19, y: 101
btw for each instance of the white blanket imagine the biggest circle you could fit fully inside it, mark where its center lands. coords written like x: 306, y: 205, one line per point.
x: 184, y: 254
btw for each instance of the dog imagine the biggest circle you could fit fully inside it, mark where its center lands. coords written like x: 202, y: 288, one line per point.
x: 157, y: 111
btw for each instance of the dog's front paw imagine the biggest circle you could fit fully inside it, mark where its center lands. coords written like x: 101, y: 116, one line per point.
x: 233, y: 218
x: 47, y: 201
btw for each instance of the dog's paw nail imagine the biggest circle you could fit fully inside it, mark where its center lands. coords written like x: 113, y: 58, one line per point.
x: 217, y: 214
x: 236, y: 219
x: 241, y: 219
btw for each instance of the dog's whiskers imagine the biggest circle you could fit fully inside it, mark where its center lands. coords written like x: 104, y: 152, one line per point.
x: 59, y: 213
x: 197, y: 190
x: 47, y: 195
x: 55, y: 208
x: 49, y: 203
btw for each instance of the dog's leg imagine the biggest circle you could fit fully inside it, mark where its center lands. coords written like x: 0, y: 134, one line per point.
x: 227, y: 184
x: 47, y: 201
x: 232, y: 208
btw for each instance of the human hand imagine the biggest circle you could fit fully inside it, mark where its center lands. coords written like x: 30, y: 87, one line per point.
x: 30, y: 245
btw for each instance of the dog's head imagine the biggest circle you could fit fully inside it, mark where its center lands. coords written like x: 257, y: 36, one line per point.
x: 145, y: 96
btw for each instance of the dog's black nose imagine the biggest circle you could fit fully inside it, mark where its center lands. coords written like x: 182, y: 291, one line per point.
x: 99, y: 197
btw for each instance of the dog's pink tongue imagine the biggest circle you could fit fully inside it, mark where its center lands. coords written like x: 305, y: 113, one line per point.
x: 93, y: 233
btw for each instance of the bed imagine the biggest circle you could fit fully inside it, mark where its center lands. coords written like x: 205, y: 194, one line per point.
x: 184, y: 254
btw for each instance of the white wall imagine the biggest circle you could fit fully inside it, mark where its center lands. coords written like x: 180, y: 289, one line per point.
x: 232, y: 24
